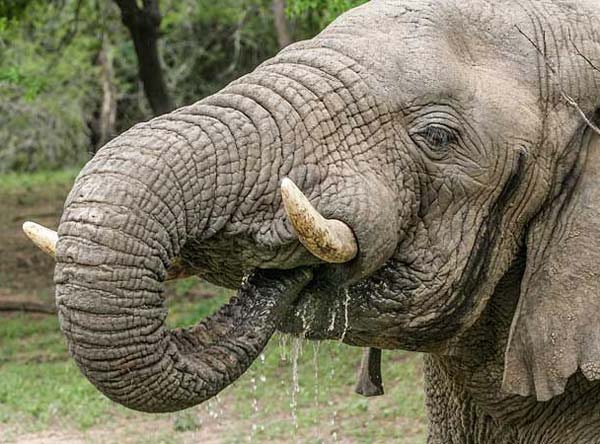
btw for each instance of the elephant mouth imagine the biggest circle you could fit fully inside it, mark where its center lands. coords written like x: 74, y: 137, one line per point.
x: 321, y: 311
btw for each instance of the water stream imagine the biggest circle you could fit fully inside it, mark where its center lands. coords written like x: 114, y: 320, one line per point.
x: 296, y: 353
x: 346, y: 303
x: 316, y: 348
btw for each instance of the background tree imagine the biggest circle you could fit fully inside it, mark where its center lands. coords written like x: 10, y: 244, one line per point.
x: 74, y: 73
x: 281, y: 23
x: 321, y: 12
x: 143, y: 24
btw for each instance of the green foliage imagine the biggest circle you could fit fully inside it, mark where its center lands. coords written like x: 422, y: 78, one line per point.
x: 186, y: 421
x: 17, y: 182
x: 11, y: 9
x: 208, y: 44
x: 50, y: 79
x: 325, y: 11
x: 47, y: 89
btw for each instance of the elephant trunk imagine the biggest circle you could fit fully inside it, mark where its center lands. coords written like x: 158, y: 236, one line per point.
x: 145, y: 197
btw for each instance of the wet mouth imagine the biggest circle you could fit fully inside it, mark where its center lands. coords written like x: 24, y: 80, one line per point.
x: 321, y: 311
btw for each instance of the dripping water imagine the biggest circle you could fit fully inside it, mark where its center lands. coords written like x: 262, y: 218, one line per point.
x: 333, y: 422
x: 214, y: 409
x: 346, y: 304
x: 283, y: 348
x: 258, y: 378
x: 296, y: 352
x: 254, y: 427
x: 316, y: 349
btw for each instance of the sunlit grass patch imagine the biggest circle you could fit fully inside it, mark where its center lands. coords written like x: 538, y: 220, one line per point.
x: 17, y: 182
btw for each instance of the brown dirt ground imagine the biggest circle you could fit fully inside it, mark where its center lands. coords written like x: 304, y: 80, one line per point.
x: 25, y: 271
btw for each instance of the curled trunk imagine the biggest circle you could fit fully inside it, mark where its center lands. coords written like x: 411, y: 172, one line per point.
x: 133, y: 210
x: 170, y: 370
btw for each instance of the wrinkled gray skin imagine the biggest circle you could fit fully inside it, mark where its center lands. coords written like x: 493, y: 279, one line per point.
x: 444, y: 134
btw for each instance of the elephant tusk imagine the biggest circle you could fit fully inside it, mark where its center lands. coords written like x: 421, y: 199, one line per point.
x: 328, y: 239
x: 45, y: 239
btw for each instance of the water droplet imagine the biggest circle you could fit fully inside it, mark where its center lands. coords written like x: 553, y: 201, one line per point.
x: 296, y: 352
x: 283, y: 348
x: 316, y: 347
x: 346, y: 303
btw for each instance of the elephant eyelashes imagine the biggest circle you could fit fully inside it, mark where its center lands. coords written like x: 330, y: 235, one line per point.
x: 436, y: 139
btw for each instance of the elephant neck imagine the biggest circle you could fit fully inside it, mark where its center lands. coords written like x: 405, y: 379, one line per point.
x: 464, y: 395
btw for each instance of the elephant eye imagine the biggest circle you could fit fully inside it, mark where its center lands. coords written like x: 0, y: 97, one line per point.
x: 437, y: 137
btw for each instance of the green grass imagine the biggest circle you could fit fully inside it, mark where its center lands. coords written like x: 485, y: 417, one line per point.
x: 40, y: 388
x: 18, y: 182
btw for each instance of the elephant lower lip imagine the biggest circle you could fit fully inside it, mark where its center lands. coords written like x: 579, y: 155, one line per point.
x: 318, y: 311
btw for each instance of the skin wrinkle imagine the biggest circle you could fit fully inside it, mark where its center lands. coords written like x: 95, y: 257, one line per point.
x: 226, y: 191
x: 284, y: 170
x: 208, y: 202
x: 127, y: 177
x: 193, y: 189
x: 271, y: 92
x: 243, y: 193
x: 215, y: 207
x: 245, y: 131
x: 327, y: 143
x: 260, y: 185
x: 316, y: 192
x: 348, y: 86
x: 293, y: 107
x: 77, y: 224
x: 180, y: 236
x: 208, y: 216
x: 156, y: 245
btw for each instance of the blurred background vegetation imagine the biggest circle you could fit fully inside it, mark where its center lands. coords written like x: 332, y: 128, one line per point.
x: 75, y: 73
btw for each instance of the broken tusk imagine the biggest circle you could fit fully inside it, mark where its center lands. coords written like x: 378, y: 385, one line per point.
x: 43, y: 237
x: 328, y: 239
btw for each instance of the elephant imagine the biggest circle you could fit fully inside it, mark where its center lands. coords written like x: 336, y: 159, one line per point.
x: 421, y: 175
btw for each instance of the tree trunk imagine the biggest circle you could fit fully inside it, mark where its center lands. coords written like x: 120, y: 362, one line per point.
x: 281, y: 23
x: 144, y: 25
x: 108, y: 111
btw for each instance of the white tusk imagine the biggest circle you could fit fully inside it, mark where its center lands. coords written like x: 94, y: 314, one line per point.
x: 43, y: 237
x: 328, y: 239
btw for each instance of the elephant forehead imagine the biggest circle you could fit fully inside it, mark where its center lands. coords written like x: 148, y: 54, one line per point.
x: 415, y: 47
x: 426, y: 33
x: 483, y: 55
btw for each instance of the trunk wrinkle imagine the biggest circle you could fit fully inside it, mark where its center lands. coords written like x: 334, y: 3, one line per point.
x: 182, y: 367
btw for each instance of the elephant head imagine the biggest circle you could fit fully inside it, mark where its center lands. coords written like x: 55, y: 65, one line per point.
x: 431, y: 144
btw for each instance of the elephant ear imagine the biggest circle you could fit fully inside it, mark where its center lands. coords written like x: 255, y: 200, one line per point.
x: 556, y: 328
